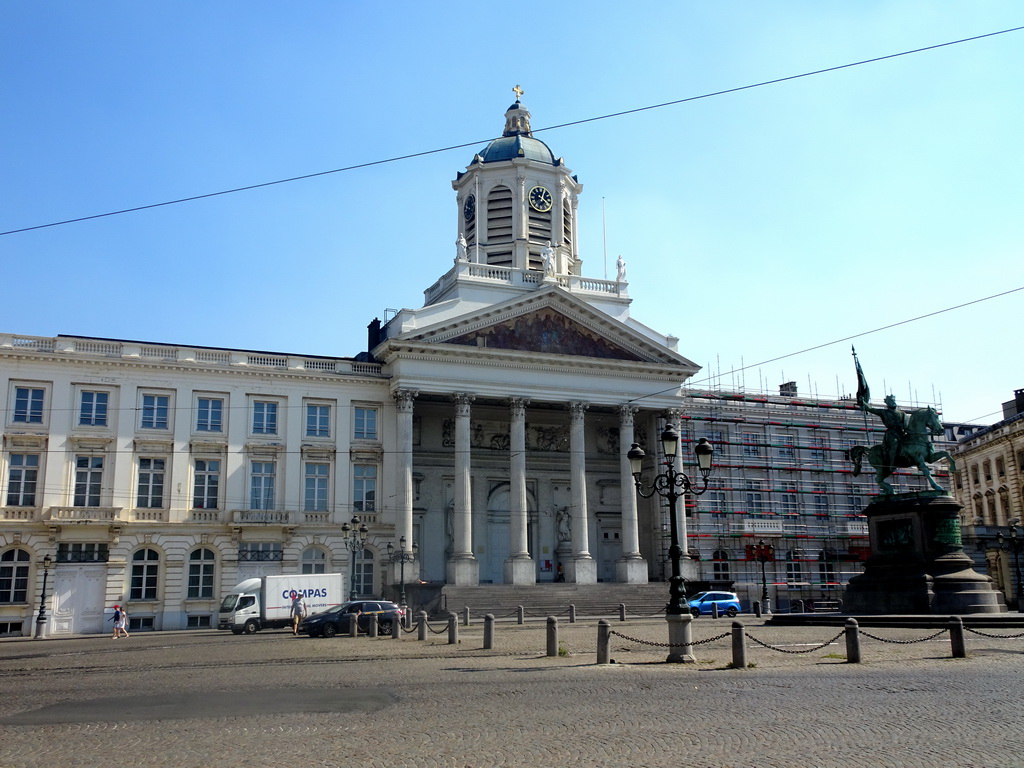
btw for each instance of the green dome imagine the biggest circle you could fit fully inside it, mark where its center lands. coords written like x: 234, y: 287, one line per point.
x: 512, y: 147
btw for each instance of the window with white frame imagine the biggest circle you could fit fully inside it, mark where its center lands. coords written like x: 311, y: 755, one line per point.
x: 318, y: 476
x: 14, y: 570
x: 720, y: 565
x: 318, y: 420
x: 260, y: 550
x: 206, y: 484
x: 209, y: 414
x: 28, y: 405
x: 151, y: 483
x: 752, y: 444
x: 201, y: 567
x: 787, y: 446
x: 821, y: 499
x: 92, y: 408
x: 362, y: 581
x: 794, y: 567
x: 755, y: 497
x: 22, y: 475
x: 154, y: 411
x: 819, y: 446
x: 789, y: 499
x: 314, y: 560
x: 365, y: 422
x: 364, y: 487
x: 262, y: 485
x: 827, y: 566
x: 145, y: 575
x: 264, y: 417
x: 714, y: 503
x: 88, y: 481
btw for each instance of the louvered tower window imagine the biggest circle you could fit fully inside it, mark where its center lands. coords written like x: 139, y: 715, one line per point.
x: 499, y: 226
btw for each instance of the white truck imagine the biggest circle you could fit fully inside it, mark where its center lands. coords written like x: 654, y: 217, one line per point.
x: 266, y: 602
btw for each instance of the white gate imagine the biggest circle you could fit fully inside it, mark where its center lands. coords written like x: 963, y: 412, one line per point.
x: 78, y: 593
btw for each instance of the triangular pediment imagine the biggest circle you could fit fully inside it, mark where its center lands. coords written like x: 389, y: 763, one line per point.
x: 545, y: 331
x: 552, y: 322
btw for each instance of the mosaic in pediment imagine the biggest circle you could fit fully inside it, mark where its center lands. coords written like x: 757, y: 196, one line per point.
x: 548, y: 332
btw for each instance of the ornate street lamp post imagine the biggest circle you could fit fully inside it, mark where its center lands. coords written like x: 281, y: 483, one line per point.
x: 41, y: 619
x: 402, y: 557
x: 355, y: 542
x: 764, y: 553
x: 671, y: 485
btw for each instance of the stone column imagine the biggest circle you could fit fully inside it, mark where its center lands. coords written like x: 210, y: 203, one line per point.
x: 631, y: 568
x: 463, y: 567
x: 519, y: 567
x: 582, y: 568
x: 403, y: 478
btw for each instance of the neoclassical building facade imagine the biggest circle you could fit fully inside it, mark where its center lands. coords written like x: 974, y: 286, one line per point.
x: 489, y: 427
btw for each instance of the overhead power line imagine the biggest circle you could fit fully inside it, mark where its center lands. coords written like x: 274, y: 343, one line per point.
x: 424, y: 153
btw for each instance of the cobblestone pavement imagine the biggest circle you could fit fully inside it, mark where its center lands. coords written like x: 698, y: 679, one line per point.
x: 210, y: 698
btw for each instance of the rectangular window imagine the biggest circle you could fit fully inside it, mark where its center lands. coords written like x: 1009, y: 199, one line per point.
x: 200, y: 574
x: 264, y: 418
x: 789, y: 501
x: 22, y: 474
x: 819, y: 447
x: 209, y: 414
x: 92, y: 411
x: 317, y: 483
x: 365, y: 424
x: 755, y: 498
x: 364, y: 487
x: 260, y: 550
x: 155, y: 409
x: 82, y: 552
x: 318, y: 421
x: 752, y: 444
x: 821, y: 499
x: 261, y: 487
x: 794, y: 568
x: 151, y: 483
x: 206, y: 485
x: 714, y: 503
x: 28, y: 405
x: 787, y: 447
x: 88, y: 481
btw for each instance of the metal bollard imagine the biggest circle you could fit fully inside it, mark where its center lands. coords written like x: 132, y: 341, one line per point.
x: 956, y: 637
x: 799, y: 605
x: 739, y: 646
x: 397, y: 626
x: 552, y: 636
x: 421, y: 621
x: 453, y: 629
x: 488, y: 632
x: 374, y: 626
x: 353, y: 625
x: 852, y: 641
x: 465, y: 616
x: 522, y: 615
x: 756, y: 608
x: 572, y: 613
x: 714, y: 610
x: 604, y: 641
x: 622, y: 611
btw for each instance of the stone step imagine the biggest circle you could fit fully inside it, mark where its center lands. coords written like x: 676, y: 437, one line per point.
x: 546, y: 599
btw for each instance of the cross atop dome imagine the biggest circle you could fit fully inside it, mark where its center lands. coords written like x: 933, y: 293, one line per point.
x: 518, y: 91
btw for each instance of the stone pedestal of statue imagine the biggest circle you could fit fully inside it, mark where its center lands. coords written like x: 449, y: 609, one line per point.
x: 917, y: 563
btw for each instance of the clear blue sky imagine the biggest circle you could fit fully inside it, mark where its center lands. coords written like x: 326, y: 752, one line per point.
x: 754, y: 224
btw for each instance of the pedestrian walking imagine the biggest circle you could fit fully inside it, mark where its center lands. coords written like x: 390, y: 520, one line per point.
x: 120, y: 623
x: 298, y: 612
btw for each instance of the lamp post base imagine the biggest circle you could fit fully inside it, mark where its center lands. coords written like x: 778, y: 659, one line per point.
x: 680, y: 639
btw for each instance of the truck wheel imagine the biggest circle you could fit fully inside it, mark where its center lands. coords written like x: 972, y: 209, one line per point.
x: 250, y: 627
x: 387, y: 627
x: 330, y: 630
x: 236, y: 630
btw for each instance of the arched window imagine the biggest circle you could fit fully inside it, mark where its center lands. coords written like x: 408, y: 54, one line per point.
x: 314, y: 561
x: 201, y: 567
x: 720, y: 565
x: 14, y: 566
x: 145, y: 575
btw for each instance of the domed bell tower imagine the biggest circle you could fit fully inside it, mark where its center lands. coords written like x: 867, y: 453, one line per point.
x: 516, y: 202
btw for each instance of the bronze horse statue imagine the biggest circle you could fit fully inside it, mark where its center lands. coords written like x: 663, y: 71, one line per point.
x: 914, y: 450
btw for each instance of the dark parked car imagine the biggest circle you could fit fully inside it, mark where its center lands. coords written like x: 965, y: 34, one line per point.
x: 727, y: 602
x: 337, y: 619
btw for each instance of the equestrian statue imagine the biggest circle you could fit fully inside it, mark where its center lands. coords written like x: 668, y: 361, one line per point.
x: 906, y: 443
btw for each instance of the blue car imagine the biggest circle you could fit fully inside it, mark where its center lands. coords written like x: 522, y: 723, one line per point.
x: 727, y: 602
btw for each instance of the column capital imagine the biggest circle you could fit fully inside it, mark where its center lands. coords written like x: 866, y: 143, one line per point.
x: 626, y: 412
x: 518, y: 406
x: 673, y: 416
x: 577, y: 408
x: 403, y: 399
x: 462, y: 402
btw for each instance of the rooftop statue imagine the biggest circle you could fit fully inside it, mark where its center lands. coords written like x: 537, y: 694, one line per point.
x: 907, y: 440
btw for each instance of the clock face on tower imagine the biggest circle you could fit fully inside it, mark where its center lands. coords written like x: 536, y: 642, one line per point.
x: 469, y: 209
x: 540, y: 199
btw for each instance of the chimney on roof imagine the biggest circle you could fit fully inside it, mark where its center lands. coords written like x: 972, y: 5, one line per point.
x: 788, y: 389
x: 1015, y: 406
